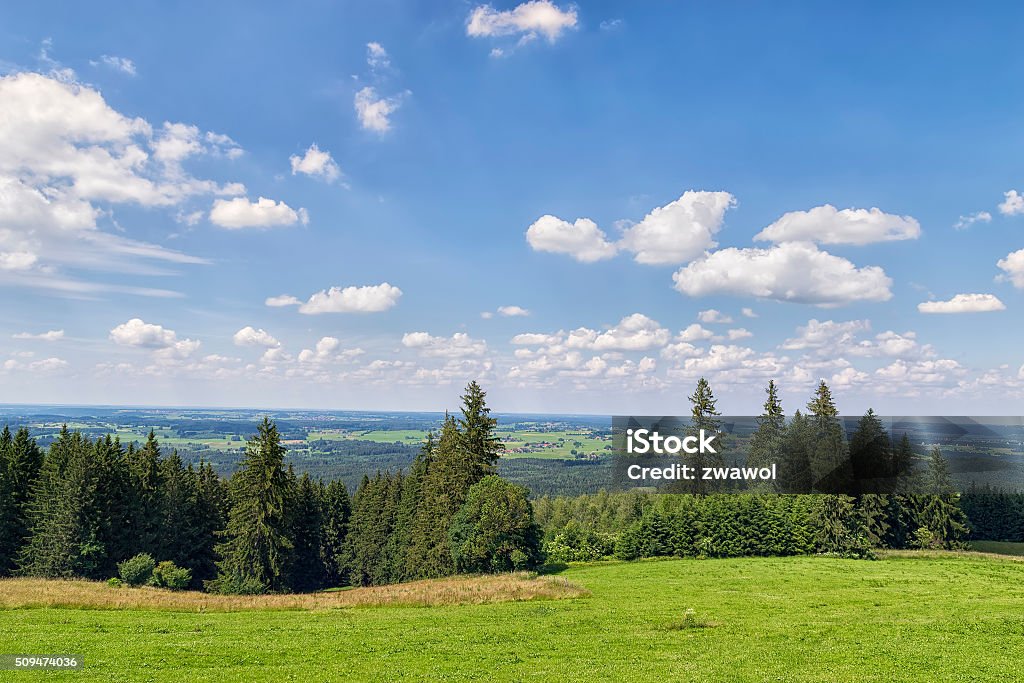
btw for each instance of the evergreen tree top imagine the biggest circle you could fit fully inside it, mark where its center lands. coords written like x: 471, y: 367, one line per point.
x: 822, y: 404
x: 772, y: 404
x: 703, y: 400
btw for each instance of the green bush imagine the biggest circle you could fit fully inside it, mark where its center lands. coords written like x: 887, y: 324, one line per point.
x: 924, y: 538
x: 576, y: 544
x: 494, y: 530
x: 115, y: 582
x: 169, y: 575
x: 137, y: 570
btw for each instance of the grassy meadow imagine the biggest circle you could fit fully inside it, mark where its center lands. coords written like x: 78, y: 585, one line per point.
x: 907, y: 617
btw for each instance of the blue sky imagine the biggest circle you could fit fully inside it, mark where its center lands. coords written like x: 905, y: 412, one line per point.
x: 594, y: 176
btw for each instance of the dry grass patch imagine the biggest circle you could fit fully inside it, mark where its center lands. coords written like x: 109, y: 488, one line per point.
x: 460, y: 590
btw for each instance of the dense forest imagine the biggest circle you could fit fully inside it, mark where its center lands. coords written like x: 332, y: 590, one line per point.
x: 101, y: 510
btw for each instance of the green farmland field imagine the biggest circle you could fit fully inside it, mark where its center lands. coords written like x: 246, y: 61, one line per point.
x: 550, y: 445
x: 410, y: 436
x: 938, y: 617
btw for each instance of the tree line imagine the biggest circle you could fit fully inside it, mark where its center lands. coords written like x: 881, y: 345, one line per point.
x: 634, y: 525
x: 88, y: 508
x: 811, y: 451
x: 85, y: 508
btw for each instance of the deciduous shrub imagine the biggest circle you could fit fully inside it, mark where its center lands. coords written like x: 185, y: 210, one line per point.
x: 137, y: 570
x: 169, y: 575
x: 494, y: 530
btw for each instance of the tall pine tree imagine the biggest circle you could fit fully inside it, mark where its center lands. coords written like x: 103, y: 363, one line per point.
x: 257, y: 548
x: 828, y: 454
x: 476, y: 428
x: 871, y: 457
x: 309, y: 572
x: 337, y: 508
x: 20, y: 461
x: 703, y: 418
x: 67, y: 520
x: 766, y: 443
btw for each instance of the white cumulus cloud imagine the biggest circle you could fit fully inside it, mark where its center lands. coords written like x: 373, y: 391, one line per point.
x: 328, y: 349
x: 512, y: 311
x: 163, y: 341
x: 317, y: 163
x: 635, y: 332
x: 1013, y: 205
x: 282, y: 300
x: 459, y: 345
x: 528, y: 20
x: 680, y: 231
x: 582, y: 240
x: 239, y: 212
x: 827, y: 225
x: 827, y: 334
x: 367, y: 299
x: 964, y: 303
x: 250, y: 336
x: 1013, y: 265
x: 695, y: 332
x: 136, y: 332
x: 68, y: 162
x: 712, y: 316
x: 536, y: 339
x: 792, y: 271
x: 373, y: 110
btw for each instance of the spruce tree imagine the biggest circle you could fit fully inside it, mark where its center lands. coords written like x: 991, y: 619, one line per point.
x: 20, y: 462
x: 9, y: 541
x: 257, y: 548
x: 937, y: 480
x: 67, y: 520
x: 146, y: 510
x: 829, y: 453
x: 114, y: 501
x: 309, y: 572
x: 703, y: 417
x: 177, y: 497
x: 208, y: 509
x: 405, y: 517
x: 450, y: 475
x: 477, y: 432
x: 871, y: 457
x: 903, y: 464
x: 940, y: 514
x: 369, y: 531
x: 337, y: 508
x: 874, y: 514
x: 794, y: 471
x: 390, y: 565
x: 840, y: 531
x: 766, y: 443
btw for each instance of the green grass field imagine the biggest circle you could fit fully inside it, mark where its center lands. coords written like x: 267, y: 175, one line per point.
x: 904, y: 618
x: 559, y: 444
x: 409, y: 436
